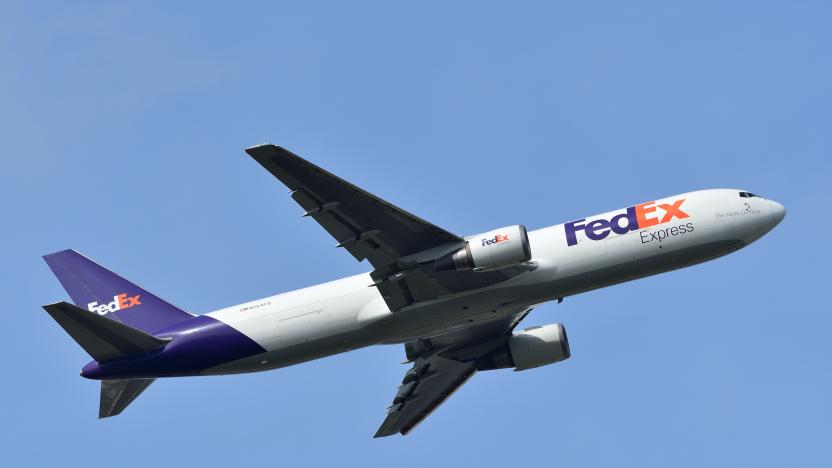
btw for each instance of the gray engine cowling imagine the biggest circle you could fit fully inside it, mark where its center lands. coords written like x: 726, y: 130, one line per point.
x: 538, y: 346
x: 490, y: 250
x: 530, y: 348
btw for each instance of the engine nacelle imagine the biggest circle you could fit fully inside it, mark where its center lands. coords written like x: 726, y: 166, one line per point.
x: 538, y: 346
x: 530, y: 348
x: 491, y: 250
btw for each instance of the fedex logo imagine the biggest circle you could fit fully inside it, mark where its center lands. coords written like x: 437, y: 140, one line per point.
x: 634, y: 218
x: 121, y: 301
x: 495, y: 240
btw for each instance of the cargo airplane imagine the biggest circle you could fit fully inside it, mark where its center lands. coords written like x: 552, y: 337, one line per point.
x: 453, y: 302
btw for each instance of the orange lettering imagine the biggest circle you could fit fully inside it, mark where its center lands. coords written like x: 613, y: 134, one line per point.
x: 641, y: 215
x: 673, y: 210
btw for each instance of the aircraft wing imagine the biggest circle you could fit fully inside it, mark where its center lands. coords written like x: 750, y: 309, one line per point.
x: 365, y: 225
x: 440, y: 366
x: 399, y: 245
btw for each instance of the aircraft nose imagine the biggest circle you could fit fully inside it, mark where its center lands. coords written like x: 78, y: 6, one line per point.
x: 778, y: 212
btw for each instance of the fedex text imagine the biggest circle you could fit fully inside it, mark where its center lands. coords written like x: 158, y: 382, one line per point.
x: 120, y: 301
x: 633, y: 218
x: 495, y: 240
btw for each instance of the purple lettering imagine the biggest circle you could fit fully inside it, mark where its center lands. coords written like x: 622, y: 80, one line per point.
x: 598, y: 229
x: 630, y: 225
x: 571, y: 229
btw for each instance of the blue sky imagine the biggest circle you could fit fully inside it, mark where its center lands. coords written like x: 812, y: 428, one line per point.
x: 122, y: 136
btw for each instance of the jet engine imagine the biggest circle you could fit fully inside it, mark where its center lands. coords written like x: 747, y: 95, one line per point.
x: 490, y: 250
x: 530, y: 348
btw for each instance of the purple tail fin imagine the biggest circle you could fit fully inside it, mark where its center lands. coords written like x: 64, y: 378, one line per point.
x: 95, y: 288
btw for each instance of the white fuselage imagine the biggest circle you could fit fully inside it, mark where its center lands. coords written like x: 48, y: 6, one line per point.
x: 349, y: 313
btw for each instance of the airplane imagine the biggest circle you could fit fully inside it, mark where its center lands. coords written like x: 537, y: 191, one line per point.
x: 453, y: 302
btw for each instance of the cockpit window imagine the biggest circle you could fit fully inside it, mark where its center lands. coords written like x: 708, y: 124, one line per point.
x: 749, y: 195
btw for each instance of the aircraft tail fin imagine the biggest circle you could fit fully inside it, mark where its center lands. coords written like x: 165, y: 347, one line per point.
x: 117, y: 394
x: 101, y: 338
x: 95, y: 288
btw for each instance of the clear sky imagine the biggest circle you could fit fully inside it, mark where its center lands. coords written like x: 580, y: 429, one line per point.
x: 123, y: 130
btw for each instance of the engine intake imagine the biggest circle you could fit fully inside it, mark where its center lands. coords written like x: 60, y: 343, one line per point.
x: 491, y: 250
x: 530, y: 348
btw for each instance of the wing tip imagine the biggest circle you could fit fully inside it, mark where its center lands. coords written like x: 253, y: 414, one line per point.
x: 385, y: 433
x: 262, y: 148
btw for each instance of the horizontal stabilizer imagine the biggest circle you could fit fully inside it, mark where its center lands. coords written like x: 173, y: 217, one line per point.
x: 117, y: 394
x: 102, y: 338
